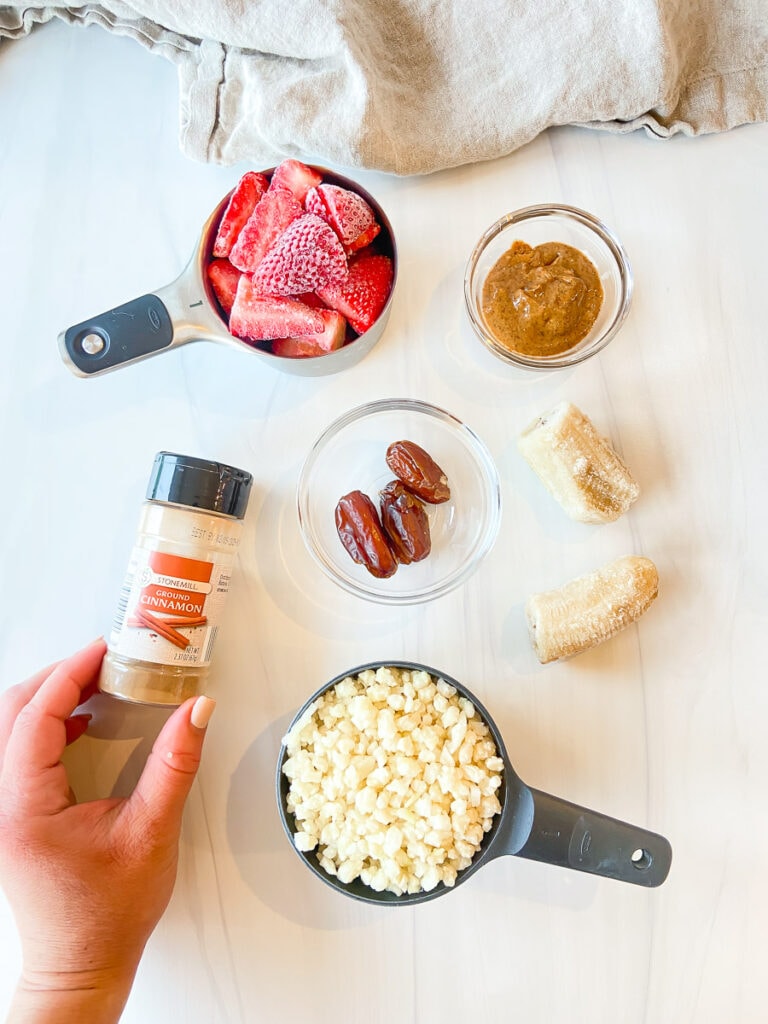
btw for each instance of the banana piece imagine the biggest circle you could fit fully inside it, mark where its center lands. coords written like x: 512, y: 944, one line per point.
x: 578, y: 466
x: 593, y: 608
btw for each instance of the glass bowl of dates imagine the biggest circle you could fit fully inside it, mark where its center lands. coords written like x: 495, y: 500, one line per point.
x: 301, y: 264
x: 547, y: 286
x: 399, y: 501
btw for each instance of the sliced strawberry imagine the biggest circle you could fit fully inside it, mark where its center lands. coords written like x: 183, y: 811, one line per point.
x: 223, y: 277
x: 348, y: 214
x: 262, y: 318
x: 295, y: 176
x: 329, y: 339
x: 293, y: 348
x: 271, y: 216
x: 246, y: 194
x: 364, y: 238
x: 305, y: 257
x: 310, y: 299
x: 363, y: 295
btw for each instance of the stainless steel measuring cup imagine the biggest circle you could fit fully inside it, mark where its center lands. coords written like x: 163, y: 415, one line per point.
x: 187, y: 310
x: 531, y: 824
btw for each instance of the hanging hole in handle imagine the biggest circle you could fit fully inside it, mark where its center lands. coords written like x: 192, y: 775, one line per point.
x: 641, y: 859
x: 92, y: 343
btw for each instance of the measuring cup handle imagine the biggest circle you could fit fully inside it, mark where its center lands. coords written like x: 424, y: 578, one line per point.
x: 125, y: 334
x: 574, y: 837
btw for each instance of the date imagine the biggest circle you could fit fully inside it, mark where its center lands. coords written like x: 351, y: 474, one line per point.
x: 405, y: 522
x: 361, y: 533
x: 418, y: 471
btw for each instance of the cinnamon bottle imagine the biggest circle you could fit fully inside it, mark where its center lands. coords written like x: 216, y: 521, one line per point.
x: 178, y: 578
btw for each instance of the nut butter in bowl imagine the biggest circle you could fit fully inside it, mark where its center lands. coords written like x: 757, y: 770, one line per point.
x: 547, y: 287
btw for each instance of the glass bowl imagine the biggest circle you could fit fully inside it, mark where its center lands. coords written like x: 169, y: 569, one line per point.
x: 350, y: 455
x: 549, y: 223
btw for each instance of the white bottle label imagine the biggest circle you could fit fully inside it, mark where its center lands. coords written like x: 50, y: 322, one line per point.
x: 170, y: 608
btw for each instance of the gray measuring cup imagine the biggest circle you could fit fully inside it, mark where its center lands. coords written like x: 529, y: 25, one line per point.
x: 531, y: 824
x: 187, y: 310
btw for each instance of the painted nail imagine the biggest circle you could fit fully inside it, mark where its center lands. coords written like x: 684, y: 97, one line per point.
x: 202, y: 710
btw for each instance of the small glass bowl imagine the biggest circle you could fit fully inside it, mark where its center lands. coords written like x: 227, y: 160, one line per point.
x: 550, y: 223
x: 350, y: 455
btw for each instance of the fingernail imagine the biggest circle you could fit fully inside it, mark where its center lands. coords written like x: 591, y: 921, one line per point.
x: 202, y: 710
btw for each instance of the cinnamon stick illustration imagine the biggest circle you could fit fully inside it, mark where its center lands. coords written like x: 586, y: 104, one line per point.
x: 157, y: 626
x: 178, y: 620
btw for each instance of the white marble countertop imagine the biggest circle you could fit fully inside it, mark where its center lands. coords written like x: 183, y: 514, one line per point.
x: 663, y: 726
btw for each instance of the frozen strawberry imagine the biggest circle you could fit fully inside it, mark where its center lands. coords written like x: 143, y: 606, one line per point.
x: 329, y: 339
x: 348, y: 214
x: 364, y: 238
x: 363, y: 295
x: 295, y: 176
x: 310, y: 299
x: 305, y: 257
x: 223, y: 277
x: 246, y: 194
x: 263, y: 317
x: 293, y: 348
x: 271, y: 216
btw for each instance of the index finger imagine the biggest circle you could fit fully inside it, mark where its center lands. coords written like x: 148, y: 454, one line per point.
x: 39, y: 734
x: 15, y: 698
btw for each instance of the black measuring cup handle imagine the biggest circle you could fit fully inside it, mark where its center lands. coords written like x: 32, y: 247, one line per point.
x: 170, y: 316
x: 125, y: 334
x: 575, y: 837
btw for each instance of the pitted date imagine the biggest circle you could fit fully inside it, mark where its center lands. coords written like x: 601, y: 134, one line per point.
x: 405, y: 522
x: 361, y: 533
x: 418, y: 471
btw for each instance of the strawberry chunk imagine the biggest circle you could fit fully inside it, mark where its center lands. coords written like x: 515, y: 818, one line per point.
x: 364, y: 238
x: 330, y: 338
x: 271, y: 216
x: 262, y: 317
x: 246, y: 194
x: 349, y: 215
x: 310, y: 299
x: 223, y: 277
x: 364, y: 293
x: 296, y: 177
x: 305, y: 257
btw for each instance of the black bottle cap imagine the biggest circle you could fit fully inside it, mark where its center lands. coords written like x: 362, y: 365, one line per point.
x: 199, y: 483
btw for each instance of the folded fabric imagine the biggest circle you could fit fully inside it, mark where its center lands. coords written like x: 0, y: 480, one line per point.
x: 412, y: 86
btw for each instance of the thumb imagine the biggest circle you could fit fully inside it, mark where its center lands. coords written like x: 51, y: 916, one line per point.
x: 171, y: 768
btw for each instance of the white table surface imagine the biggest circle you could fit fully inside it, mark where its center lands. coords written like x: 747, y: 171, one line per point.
x: 664, y: 726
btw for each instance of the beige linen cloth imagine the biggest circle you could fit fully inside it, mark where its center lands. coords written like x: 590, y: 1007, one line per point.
x: 412, y: 86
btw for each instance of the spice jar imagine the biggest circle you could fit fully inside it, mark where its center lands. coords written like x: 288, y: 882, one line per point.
x: 178, y: 577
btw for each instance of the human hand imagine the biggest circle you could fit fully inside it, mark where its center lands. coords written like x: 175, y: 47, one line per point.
x: 87, y: 882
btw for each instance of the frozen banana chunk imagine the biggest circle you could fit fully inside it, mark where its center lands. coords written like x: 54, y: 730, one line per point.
x: 578, y: 466
x: 590, y: 609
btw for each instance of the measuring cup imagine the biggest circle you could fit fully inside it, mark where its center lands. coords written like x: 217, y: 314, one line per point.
x: 531, y: 824
x: 187, y: 310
